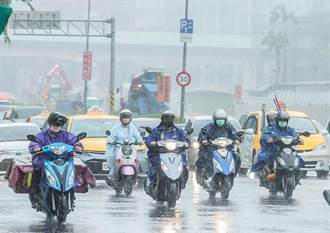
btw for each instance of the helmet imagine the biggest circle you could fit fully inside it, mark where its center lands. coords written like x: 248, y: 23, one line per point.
x: 125, y: 114
x: 271, y: 118
x: 57, y: 119
x: 219, y: 117
x: 167, y: 118
x: 282, y: 119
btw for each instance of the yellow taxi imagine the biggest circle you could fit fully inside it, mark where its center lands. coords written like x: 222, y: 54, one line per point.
x: 94, y: 124
x: 314, y: 150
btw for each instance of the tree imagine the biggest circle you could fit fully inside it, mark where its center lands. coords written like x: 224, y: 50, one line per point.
x: 276, y: 41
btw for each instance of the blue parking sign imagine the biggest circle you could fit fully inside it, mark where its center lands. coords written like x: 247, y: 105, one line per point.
x: 186, y: 26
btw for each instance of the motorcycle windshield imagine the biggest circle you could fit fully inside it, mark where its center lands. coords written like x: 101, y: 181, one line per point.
x: 57, y: 149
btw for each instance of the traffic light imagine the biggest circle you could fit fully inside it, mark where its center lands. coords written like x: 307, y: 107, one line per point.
x: 5, y: 12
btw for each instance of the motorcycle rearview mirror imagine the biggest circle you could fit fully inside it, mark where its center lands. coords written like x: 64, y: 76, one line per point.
x: 306, y: 134
x: 107, y: 132
x: 81, y: 136
x: 31, y: 138
x: 143, y: 134
x: 241, y: 132
x: 148, y: 129
x: 188, y: 128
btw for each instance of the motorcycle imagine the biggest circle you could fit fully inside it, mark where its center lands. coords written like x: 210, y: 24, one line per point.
x: 222, y: 179
x: 127, y: 166
x: 170, y: 174
x: 56, y: 197
x: 286, y: 167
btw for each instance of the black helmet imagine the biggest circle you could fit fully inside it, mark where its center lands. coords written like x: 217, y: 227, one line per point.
x: 271, y: 118
x: 57, y: 119
x: 219, y: 117
x: 126, y: 114
x: 282, y: 119
x: 167, y: 119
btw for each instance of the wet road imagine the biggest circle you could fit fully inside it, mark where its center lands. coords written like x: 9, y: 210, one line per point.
x: 249, y: 209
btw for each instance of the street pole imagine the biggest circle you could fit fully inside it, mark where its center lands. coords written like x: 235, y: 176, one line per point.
x: 87, y: 49
x: 112, y: 68
x: 183, y: 91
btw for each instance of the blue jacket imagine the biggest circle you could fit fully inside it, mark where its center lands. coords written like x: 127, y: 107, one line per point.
x: 272, y: 132
x: 158, y: 134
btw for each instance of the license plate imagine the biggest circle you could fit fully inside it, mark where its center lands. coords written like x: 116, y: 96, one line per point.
x: 105, y: 166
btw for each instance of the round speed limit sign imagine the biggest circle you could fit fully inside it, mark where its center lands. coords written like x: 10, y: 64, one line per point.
x: 183, y: 79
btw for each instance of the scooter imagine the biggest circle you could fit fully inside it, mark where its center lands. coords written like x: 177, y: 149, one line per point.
x: 58, y: 180
x: 127, y: 166
x: 170, y: 174
x: 286, y: 167
x: 223, y: 176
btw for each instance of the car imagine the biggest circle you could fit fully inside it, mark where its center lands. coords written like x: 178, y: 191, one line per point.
x: 14, y: 143
x: 324, y: 132
x: 197, y: 123
x: 22, y: 113
x: 314, y: 151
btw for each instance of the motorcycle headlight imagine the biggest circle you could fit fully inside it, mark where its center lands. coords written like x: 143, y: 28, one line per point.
x: 58, y: 150
x: 222, y: 143
x: 127, y: 150
x: 287, y: 141
x: 170, y: 145
x: 71, y: 178
x: 321, y: 147
x: 180, y: 167
x: 163, y: 166
x: 281, y: 161
x: 50, y: 178
x: 195, y: 145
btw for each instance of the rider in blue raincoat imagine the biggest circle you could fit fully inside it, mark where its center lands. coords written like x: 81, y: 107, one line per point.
x: 268, y: 149
x: 164, y: 131
x: 125, y: 130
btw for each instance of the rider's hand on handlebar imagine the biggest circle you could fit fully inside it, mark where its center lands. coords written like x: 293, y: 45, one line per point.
x: 37, y: 149
x: 185, y: 145
x: 205, y: 142
x: 269, y: 140
x: 78, y: 149
x: 237, y: 142
x: 153, y: 144
x: 140, y: 143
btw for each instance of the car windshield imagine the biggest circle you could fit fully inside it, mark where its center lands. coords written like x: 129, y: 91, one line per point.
x: 302, y: 124
x: 93, y: 127
x: 38, y: 121
x: 199, y: 124
x: 26, y: 112
x: 17, y: 133
x: 152, y: 123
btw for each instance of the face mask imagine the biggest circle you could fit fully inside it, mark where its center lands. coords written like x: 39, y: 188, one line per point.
x: 220, y: 122
x: 282, y: 124
x: 55, y: 129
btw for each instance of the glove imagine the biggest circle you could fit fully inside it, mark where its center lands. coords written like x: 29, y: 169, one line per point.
x: 205, y: 142
x: 37, y: 149
x: 78, y: 149
x: 153, y: 144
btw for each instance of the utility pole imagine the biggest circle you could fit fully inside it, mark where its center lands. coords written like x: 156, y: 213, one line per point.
x: 87, y: 49
x: 112, y: 68
x: 183, y: 91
